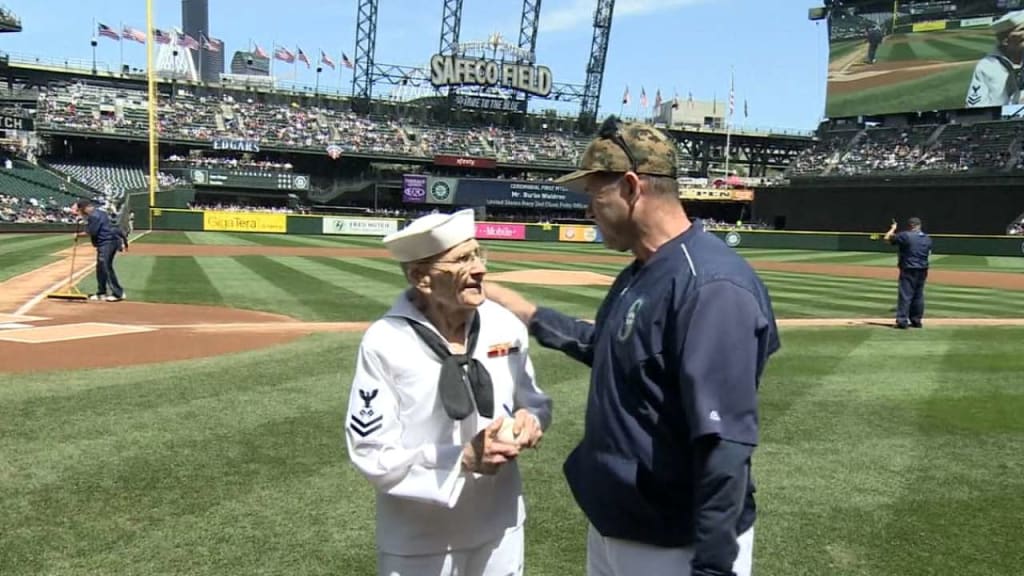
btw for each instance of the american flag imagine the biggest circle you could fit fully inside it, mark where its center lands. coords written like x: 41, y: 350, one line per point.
x: 130, y: 33
x: 283, y: 54
x: 161, y: 37
x: 346, y: 62
x: 625, y: 97
x: 303, y: 58
x: 259, y: 52
x: 187, y: 41
x: 324, y: 58
x: 104, y: 30
x: 643, y: 98
x: 212, y: 44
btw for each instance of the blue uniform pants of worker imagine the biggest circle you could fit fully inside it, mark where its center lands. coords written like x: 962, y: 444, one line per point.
x: 105, y: 273
x: 910, y: 306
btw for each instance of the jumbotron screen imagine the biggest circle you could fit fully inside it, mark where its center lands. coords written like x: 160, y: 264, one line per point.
x: 889, y: 57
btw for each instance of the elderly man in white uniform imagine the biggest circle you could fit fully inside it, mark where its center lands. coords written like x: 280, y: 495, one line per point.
x: 443, y: 400
x: 996, y: 79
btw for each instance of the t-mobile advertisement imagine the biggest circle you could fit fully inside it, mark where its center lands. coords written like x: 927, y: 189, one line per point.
x: 414, y: 188
x: 492, y: 231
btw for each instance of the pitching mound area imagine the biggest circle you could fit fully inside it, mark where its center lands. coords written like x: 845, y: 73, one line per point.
x: 553, y: 278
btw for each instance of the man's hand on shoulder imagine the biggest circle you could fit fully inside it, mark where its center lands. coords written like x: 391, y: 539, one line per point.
x: 511, y: 300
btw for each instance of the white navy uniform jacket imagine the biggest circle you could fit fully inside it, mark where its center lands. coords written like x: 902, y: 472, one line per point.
x: 995, y: 83
x: 400, y: 438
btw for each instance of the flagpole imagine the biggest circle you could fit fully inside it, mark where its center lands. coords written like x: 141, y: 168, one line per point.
x: 121, y: 42
x: 94, y: 41
x: 151, y: 109
x: 202, y: 38
x: 728, y: 122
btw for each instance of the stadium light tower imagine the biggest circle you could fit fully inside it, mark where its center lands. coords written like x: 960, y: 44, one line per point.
x: 595, y: 65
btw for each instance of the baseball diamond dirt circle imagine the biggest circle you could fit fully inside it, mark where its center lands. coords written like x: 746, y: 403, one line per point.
x: 38, y: 334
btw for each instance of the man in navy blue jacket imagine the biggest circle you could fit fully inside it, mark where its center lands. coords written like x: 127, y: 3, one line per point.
x: 676, y: 356
x: 108, y: 239
x: 915, y: 248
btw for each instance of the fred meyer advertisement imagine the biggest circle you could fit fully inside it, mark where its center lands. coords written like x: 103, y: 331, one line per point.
x: 359, y: 226
x: 578, y: 234
x: 245, y: 222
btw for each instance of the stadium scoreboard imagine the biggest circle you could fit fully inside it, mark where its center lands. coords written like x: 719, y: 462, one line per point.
x: 248, y: 179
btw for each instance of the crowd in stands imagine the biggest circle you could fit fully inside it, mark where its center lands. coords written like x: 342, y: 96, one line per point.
x: 221, y: 207
x: 33, y: 211
x: 207, y: 118
x: 932, y: 148
x: 843, y: 152
x: 713, y: 224
x: 227, y: 162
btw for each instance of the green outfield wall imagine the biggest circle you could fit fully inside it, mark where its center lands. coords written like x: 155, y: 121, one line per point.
x: 272, y: 223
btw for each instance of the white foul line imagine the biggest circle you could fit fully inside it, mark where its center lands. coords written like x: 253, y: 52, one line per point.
x: 28, y: 306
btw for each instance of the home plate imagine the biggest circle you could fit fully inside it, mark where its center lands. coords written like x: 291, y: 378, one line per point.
x: 61, y: 333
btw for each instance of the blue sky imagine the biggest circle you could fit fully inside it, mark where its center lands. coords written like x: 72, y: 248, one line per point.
x: 778, y: 57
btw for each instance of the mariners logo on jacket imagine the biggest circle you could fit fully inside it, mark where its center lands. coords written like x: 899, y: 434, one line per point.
x: 630, y: 320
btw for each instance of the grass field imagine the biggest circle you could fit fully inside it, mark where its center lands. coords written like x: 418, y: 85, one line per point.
x: 884, y: 452
x: 21, y: 253
x: 356, y: 289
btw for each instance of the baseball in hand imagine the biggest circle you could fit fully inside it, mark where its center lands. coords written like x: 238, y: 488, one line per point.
x: 505, y: 434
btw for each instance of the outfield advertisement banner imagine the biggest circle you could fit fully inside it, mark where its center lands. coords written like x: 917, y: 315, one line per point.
x: 359, y: 226
x: 245, y: 222
x: 579, y: 234
x: 921, y: 56
x: 494, y: 231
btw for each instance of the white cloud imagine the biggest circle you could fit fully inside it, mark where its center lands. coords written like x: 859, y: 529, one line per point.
x: 581, y: 12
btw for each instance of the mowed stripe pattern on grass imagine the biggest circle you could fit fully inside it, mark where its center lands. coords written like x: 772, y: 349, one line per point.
x: 20, y: 253
x: 360, y: 289
x: 887, y: 258
x: 871, y: 441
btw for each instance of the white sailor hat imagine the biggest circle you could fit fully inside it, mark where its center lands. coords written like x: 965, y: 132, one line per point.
x: 431, y: 235
x: 1008, y: 22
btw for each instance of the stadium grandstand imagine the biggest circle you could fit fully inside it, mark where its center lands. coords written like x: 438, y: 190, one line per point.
x: 268, y: 145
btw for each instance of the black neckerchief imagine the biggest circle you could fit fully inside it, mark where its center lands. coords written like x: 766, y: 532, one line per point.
x: 460, y: 389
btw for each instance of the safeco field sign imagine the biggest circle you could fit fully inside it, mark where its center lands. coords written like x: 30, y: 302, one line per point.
x: 245, y: 222
x: 359, y: 226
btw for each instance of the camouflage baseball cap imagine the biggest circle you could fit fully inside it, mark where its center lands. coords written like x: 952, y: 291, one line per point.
x: 653, y: 152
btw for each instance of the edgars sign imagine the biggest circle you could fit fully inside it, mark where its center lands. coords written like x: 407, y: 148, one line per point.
x: 238, y: 145
x: 448, y: 70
